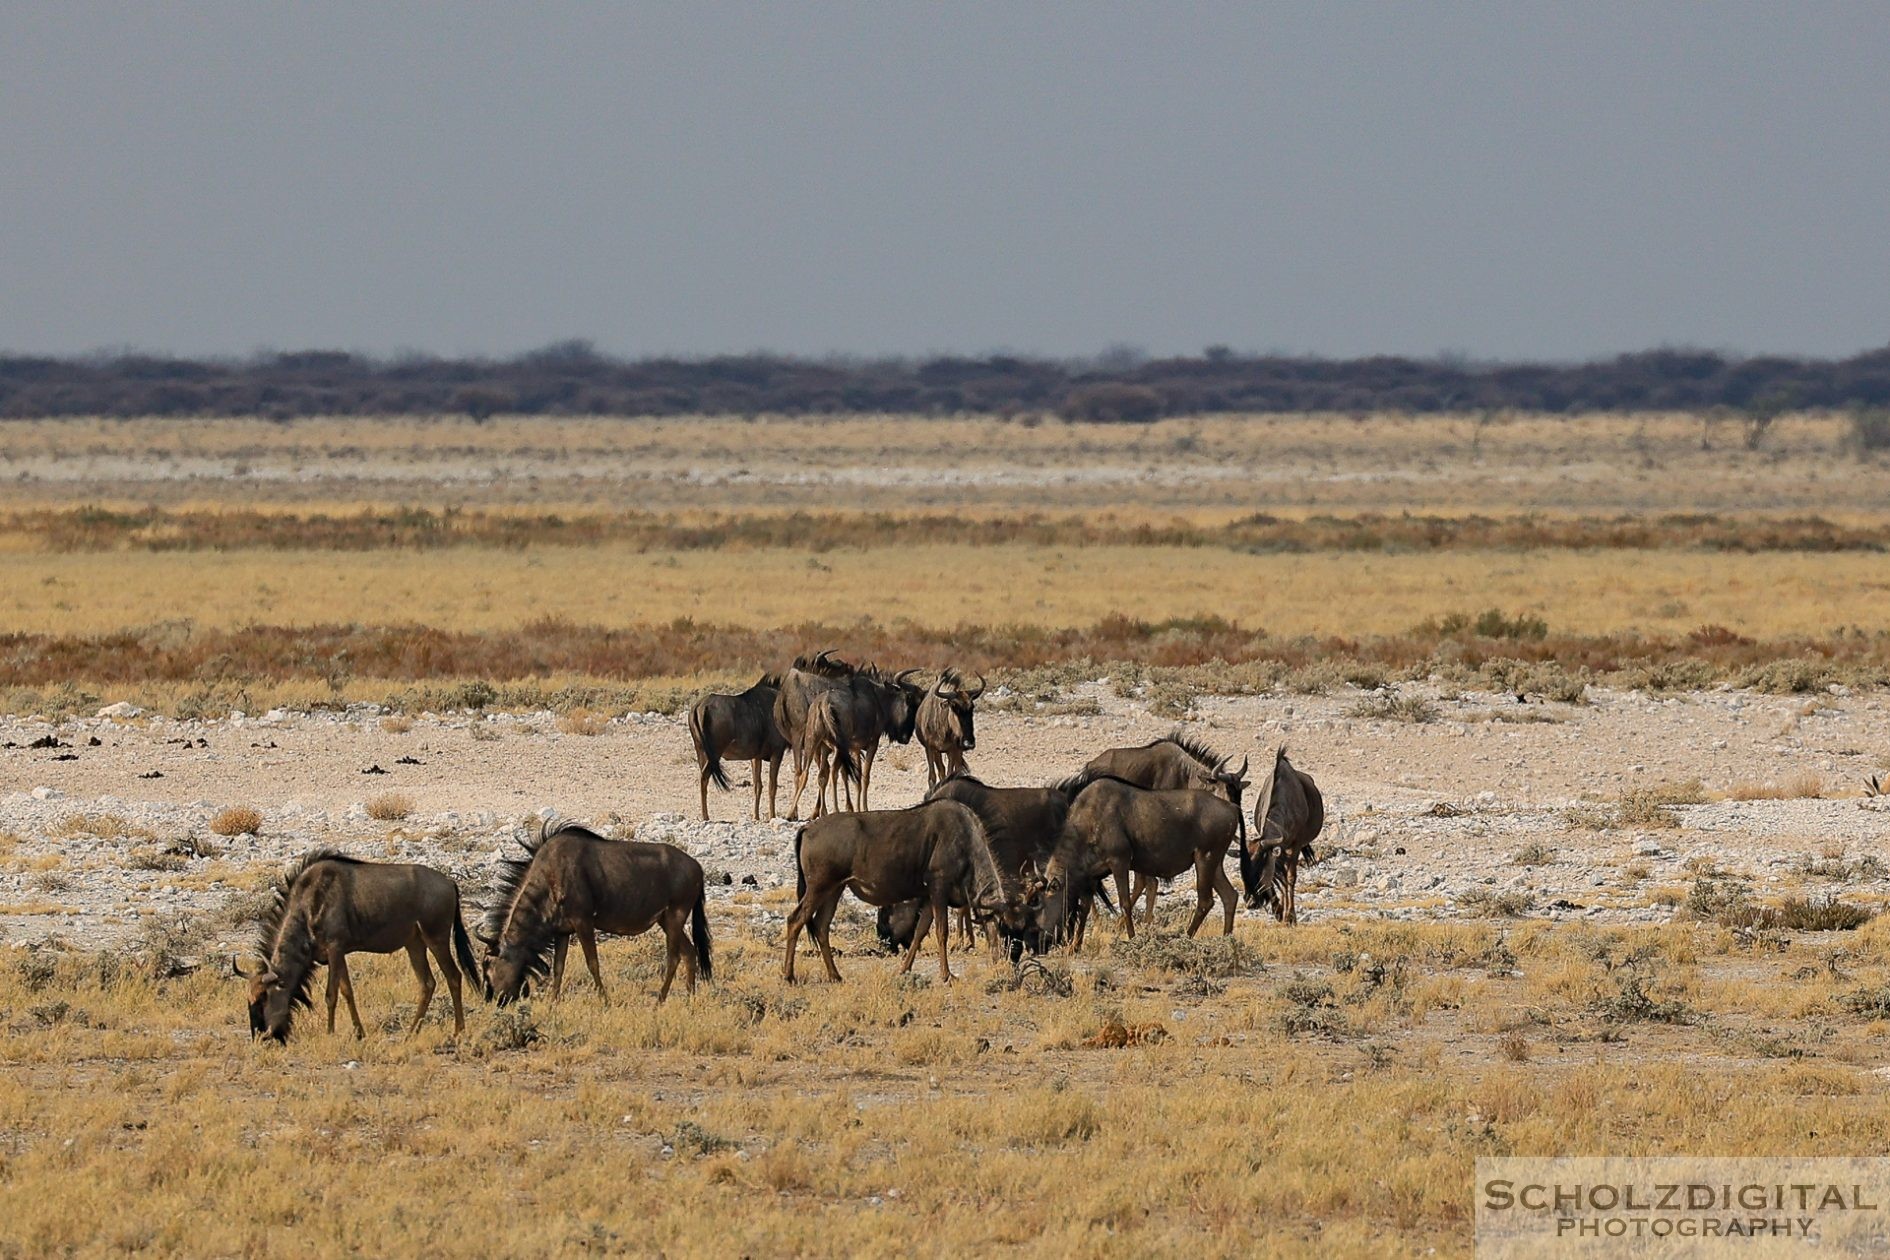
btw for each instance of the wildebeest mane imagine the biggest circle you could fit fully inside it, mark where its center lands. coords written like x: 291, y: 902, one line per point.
x: 1194, y: 747
x: 537, y: 939
x: 269, y: 922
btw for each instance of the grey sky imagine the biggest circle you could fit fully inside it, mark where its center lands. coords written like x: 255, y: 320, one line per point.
x: 1540, y: 180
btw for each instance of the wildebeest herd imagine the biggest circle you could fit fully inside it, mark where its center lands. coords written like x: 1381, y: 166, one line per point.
x: 1026, y: 864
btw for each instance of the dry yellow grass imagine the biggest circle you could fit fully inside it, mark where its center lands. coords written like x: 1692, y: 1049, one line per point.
x: 237, y: 820
x: 877, y: 1117
x: 1763, y: 595
x: 1805, y: 786
x: 397, y: 724
x: 390, y: 806
x: 581, y: 722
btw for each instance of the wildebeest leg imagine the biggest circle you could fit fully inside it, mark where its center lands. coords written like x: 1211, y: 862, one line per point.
x: 1225, y: 887
x: 774, y: 783
x: 442, y: 948
x: 866, y: 772
x: 334, y: 994
x: 673, y: 920
x: 1292, y: 884
x: 558, y: 949
x: 800, y: 785
x: 931, y: 768
x: 919, y: 929
x: 1121, y: 874
x: 417, y: 955
x: 942, y: 925
x: 338, y: 969
x: 755, y: 774
x: 702, y: 782
x: 587, y: 937
x: 822, y: 926
x: 1203, y: 891
x: 797, y: 919
x: 825, y: 773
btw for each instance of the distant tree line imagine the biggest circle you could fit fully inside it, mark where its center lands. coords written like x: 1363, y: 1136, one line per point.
x: 573, y: 379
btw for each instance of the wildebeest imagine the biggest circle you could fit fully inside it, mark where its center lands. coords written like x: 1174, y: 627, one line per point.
x: 1172, y: 763
x: 1119, y: 828
x: 832, y: 741
x: 574, y: 882
x: 875, y: 708
x: 944, y: 726
x: 934, y: 852
x: 1287, y: 817
x: 327, y: 906
x: 740, y: 727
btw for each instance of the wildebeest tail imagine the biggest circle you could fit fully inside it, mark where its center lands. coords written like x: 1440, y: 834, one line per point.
x: 706, y: 748
x: 847, y: 759
x: 800, y: 875
x: 463, y: 954
x: 699, y: 933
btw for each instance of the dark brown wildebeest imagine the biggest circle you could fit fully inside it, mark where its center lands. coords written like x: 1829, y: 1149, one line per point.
x: 1287, y: 818
x: 1119, y: 828
x: 875, y: 708
x: 944, y: 726
x: 742, y: 728
x: 1172, y: 763
x: 327, y: 906
x: 808, y: 677
x: 831, y: 740
x: 934, y: 852
x: 574, y: 882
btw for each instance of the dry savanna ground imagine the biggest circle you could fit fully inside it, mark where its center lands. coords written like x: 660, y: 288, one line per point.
x: 1596, y: 702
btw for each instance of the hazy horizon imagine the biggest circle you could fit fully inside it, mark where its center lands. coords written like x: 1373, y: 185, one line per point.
x: 1537, y: 184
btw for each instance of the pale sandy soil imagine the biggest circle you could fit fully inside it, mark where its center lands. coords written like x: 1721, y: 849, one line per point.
x: 1580, y: 464
x: 1387, y: 852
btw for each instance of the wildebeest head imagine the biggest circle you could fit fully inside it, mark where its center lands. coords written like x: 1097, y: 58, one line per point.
x: 901, y: 698
x: 962, y: 703
x: 1234, y: 782
x: 509, y: 969
x: 270, y: 1002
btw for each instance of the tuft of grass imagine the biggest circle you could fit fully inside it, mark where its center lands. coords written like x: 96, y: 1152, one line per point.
x: 390, y: 807
x: 1514, y: 1048
x: 1799, y: 787
x: 1387, y: 706
x: 98, y: 826
x: 581, y: 722
x: 396, y: 724
x: 1488, y: 903
x: 237, y: 820
x: 1534, y: 853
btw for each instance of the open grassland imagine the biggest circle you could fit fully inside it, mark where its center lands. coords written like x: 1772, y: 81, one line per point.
x: 1319, y: 1091
x: 1767, y: 595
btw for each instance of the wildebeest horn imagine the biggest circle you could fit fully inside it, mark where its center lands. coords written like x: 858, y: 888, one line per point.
x: 1242, y: 772
x: 979, y: 689
x: 236, y: 968
x: 487, y: 939
x: 904, y: 674
x: 947, y: 684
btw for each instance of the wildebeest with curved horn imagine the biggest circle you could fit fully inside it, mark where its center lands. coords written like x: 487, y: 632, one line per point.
x: 1120, y: 828
x: 328, y: 905
x: 574, y: 882
x: 1174, y: 762
x: 876, y: 708
x: 945, y: 727
x: 742, y: 728
x: 934, y: 852
x: 1287, y: 817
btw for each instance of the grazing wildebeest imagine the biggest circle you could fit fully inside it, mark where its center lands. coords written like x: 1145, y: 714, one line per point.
x: 832, y: 738
x: 1286, y: 819
x: 327, y: 906
x: 944, y: 726
x: 740, y: 727
x: 1171, y: 763
x: 574, y: 882
x: 1117, y: 827
x: 934, y: 852
x: 875, y: 708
